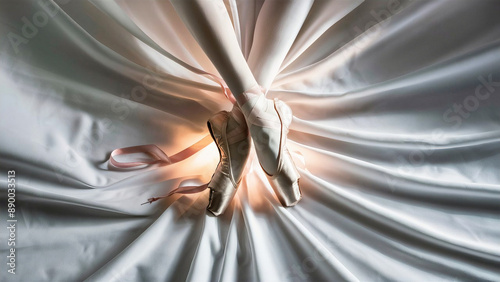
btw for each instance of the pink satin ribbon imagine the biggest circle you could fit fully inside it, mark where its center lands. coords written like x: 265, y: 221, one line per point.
x: 159, y: 156
x: 221, y: 82
x: 152, y: 150
x: 162, y: 159
x: 180, y: 190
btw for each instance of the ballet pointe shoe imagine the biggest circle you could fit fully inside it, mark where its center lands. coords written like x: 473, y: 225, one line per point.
x: 233, y: 149
x: 285, y: 179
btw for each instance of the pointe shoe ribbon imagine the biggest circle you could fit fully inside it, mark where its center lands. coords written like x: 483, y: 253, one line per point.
x: 159, y: 156
x: 162, y: 159
x: 179, y: 190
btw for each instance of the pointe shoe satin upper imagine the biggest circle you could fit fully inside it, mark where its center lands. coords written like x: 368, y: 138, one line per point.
x: 227, y: 176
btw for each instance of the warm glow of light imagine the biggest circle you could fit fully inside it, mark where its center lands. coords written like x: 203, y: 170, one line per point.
x: 254, y: 189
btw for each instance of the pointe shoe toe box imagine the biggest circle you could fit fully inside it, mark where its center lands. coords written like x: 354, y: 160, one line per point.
x: 286, y: 182
x: 222, y: 191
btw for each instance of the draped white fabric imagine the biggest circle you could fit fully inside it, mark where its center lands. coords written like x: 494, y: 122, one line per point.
x: 396, y: 133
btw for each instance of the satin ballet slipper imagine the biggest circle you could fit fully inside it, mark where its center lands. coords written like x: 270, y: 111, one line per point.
x: 285, y: 181
x: 228, y: 174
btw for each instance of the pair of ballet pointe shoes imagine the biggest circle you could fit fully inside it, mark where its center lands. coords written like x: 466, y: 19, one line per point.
x: 234, y: 147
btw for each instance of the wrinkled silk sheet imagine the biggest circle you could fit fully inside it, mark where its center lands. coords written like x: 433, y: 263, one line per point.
x: 396, y: 134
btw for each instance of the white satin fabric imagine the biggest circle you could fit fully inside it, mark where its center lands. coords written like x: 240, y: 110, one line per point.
x: 396, y: 133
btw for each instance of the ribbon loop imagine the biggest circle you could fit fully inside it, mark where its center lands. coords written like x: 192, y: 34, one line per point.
x: 162, y: 159
x: 151, y: 149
